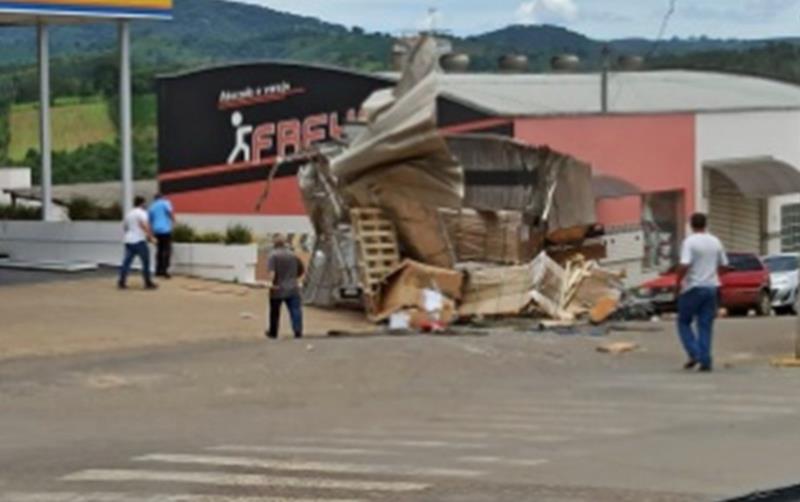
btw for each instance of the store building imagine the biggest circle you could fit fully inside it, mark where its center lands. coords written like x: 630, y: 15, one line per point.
x: 669, y: 144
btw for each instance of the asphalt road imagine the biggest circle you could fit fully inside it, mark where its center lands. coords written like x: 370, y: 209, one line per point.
x: 507, y: 417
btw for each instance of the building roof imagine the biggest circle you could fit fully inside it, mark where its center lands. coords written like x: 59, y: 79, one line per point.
x: 666, y: 91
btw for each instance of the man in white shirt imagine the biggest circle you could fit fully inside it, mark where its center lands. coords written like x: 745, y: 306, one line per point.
x: 702, y: 259
x: 137, y: 233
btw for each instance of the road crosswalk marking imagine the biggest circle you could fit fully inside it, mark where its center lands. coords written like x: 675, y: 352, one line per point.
x: 704, y: 407
x: 386, y: 442
x: 142, y: 497
x: 319, y: 450
x: 434, y: 431
x: 294, y: 465
x: 240, y: 480
x: 504, y: 461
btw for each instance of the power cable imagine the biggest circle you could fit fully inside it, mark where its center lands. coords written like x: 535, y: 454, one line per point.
x: 663, y: 29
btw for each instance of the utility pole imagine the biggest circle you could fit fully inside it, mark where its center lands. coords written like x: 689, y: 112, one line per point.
x: 433, y: 13
x: 606, y: 53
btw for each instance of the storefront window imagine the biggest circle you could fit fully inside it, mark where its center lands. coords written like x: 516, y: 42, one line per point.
x: 790, y: 228
x: 662, y: 225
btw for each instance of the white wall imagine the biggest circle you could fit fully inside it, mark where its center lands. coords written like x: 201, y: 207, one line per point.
x: 732, y: 135
x: 13, y: 177
x: 101, y: 243
x: 34, y: 241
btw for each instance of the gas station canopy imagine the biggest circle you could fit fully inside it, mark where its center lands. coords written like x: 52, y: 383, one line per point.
x: 31, y: 11
x: 41, y: 13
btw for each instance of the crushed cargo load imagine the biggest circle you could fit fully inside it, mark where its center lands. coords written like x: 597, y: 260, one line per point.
x: 422, y: 229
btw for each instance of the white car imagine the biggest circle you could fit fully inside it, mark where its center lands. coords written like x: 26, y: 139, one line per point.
x: 784, y: 278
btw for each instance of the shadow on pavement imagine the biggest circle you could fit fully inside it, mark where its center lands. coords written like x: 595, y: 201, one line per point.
x: 791, y: 494
x: 17, y: 277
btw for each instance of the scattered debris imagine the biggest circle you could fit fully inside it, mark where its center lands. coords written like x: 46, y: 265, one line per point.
x: 617, y: 348
x: 786, y: 362
x: 409, y: 229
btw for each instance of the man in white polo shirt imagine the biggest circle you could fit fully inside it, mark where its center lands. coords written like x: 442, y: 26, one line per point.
x: 702, y: 259
x: 137, y: 233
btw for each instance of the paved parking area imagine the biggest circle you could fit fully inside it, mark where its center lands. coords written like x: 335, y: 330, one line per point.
x: 175, y: 396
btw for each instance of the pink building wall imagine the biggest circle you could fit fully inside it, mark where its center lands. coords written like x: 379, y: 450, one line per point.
x: 655, y: 152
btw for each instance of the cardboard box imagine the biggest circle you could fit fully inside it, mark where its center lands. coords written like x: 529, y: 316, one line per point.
x: 403, y: 288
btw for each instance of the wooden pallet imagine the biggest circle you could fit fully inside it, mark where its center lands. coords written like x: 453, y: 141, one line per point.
x: 378, y: 251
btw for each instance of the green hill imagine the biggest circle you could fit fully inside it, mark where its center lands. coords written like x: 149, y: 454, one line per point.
x: 84, y: 69
x: 210, y: 31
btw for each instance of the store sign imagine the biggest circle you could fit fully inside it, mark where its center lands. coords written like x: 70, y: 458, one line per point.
x: 221, y: 131
x: 226, y: 126
x: 90, y: 8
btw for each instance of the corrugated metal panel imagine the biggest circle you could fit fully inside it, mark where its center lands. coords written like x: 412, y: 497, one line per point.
x: 633, y: 92
x: 758, y: 177
x: 736, y: 220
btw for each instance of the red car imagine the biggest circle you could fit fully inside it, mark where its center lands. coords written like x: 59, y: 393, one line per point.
x: 745, y: 287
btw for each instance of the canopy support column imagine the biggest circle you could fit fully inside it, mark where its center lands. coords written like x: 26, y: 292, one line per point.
x: 45, y: 135
x: 126, y: 147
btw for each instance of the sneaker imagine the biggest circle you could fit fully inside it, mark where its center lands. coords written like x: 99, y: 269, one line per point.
x: 151, y: 286
x: 122, y: 286
x: 705, y: 369
x: 271, y: 337
x: 690, y: 365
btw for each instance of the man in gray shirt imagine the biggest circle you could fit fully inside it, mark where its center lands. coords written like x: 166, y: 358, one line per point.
x: 285, y: 271
x: 702, y: 259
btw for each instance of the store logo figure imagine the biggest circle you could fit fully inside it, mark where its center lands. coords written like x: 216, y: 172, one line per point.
x: 242, y: 131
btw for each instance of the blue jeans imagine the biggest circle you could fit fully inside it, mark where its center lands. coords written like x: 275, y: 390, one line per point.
x: 697, y: 305
x: 142, y: 251
x: 295, y: 305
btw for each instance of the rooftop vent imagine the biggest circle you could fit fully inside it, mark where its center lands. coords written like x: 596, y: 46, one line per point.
x: 630, y: 62
x: 565, y: 62
x: 455, y: 62
x: 513, y: 63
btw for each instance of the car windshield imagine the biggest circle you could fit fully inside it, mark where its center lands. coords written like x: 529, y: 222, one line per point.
x: 744, y: 262
x: 781, y: 263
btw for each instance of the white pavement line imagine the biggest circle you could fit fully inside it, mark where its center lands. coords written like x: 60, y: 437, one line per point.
x: 142, y: 497
x: 387, y: 442
x: 623, y: 413
x: 226, y: 479
x: 525, y: 428
x: 414, y: 433
x: 304, y: 466
x: 532, y: 425
x: 504, y: 461
x: 704, y: 407
x: 774, y: 399
x: 435, y: 430
x: 302, y: 449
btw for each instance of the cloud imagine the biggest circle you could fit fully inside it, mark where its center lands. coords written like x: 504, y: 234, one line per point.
x: 742, y: 11
x: 547, y: 11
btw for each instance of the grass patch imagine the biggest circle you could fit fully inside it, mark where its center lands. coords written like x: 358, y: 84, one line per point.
x: 75, y: 124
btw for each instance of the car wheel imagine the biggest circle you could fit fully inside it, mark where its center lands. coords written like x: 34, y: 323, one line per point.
x: 737, y: 312
x: 784, y: 311
x: 764, y: 305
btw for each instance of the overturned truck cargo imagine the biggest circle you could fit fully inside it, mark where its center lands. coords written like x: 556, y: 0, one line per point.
x: 450, y: 206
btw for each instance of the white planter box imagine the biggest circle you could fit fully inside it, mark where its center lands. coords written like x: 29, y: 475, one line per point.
x: 101, y: 243
x: 235, y: 263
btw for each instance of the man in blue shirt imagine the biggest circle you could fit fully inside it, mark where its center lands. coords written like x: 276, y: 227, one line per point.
x: 162, y: 219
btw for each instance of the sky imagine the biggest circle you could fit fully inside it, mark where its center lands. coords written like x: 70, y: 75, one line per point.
x: 601, y: 19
